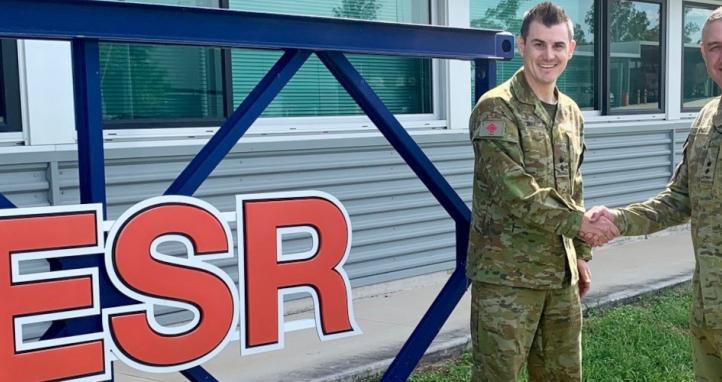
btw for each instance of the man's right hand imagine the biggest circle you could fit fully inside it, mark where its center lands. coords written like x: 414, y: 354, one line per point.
x: 598, y: 226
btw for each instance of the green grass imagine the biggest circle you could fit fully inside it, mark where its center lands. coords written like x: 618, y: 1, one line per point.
x: 644, y: 341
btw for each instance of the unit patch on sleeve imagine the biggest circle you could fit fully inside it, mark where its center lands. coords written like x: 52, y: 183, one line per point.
x: 492, y: 129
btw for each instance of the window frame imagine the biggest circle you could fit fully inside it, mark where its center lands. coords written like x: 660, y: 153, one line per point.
x: 164, y: 123
x: 605, y: 87
x: 697, y: 4
x: 200, y: 127
x: 11, y: 89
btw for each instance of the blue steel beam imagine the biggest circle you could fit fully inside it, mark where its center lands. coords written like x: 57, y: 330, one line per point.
x: 89, y: 120
x: 5, y: 202
x: 238, y: 123
x: 484, y: 77
x: 91, y: 163
x: 110, y: 21
x: 91, y: 171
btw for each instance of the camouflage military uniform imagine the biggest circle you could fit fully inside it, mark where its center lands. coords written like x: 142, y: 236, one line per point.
x: 695, y: 191
x: 527, y: 210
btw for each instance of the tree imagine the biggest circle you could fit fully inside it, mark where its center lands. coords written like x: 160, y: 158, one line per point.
x: 503, y: 16
x: 132, y: 70
x: 579, y: 35
x: 626, y: 23
x: 690, y: 28
x: 357, y: 9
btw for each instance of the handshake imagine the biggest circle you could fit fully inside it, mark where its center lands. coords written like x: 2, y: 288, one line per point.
x: 598, y: 226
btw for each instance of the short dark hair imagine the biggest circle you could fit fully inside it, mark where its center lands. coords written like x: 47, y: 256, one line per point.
x: 547, y: 14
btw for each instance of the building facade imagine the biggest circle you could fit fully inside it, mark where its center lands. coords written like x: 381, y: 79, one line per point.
x: 637, y: 74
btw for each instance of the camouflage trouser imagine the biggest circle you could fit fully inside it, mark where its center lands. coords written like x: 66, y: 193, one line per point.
x: 508, y: 323
x: 706, y: 342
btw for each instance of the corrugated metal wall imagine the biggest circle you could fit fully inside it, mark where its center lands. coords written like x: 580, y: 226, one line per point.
x: 630, y: 163
x: 399, y: 230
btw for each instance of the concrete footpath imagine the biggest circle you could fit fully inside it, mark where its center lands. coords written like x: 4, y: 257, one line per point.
x: 387, y: 314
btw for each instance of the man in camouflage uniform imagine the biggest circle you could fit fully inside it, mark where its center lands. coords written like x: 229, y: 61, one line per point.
x: 695, y: 191
x: 524, y: 258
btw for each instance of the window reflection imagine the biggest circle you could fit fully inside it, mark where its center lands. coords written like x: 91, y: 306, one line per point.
x: 2, y: 91
x: 635, y: 63
x: 148, y: 83
x: 404, y: 84
x: 697, y: 87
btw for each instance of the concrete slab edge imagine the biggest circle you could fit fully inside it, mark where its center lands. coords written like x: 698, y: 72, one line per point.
x: 456, y: 346
x: 634, y: 293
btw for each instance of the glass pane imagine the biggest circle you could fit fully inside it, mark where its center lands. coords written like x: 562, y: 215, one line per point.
x: 635, y: 63
x: 160, y: 82
x: 697, y: 87
x: 2, y: 91
x: 186, y: 3
x: 404, y: 84
x: 577, y: 81
x: 151, y: 82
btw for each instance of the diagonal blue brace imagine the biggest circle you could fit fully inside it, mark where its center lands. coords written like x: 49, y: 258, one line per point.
x: 5, y: 202
x: 227, y: 136
x: 444, y: 304
x: 238, y: 123
x: 390, y: 127
x: 198, y: 374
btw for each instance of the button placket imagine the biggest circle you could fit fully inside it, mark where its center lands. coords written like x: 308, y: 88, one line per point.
x: 561, y: 162
x: 709, y: 164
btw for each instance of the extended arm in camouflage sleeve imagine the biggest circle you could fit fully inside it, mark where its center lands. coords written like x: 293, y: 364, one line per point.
x: 583, y: 250
x: 669, y: 208
x: 500, y: 167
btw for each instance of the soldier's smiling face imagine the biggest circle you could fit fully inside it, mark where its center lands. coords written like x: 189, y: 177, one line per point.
x: 711, y: 46
x: 546, y: 52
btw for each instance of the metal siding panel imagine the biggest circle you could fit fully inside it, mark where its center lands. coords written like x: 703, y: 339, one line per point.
x: 628, y: 166
x: 399, y: 229
x: 26, y: 185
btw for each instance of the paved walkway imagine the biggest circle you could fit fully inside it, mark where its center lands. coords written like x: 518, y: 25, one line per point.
x: 387, y: 315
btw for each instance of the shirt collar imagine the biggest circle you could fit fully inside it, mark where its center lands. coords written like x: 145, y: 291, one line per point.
x: 522, y: 91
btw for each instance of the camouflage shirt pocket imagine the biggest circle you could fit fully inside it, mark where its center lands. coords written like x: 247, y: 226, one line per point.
x: 707, y: 152
x: 535, y: 144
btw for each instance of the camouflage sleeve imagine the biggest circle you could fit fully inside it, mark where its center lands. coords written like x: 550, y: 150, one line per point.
x: 500, y: 168
x: 669, y: 208
x: 583, y: 250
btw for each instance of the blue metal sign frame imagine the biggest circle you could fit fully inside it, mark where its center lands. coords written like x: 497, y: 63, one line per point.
x: 87, y: 23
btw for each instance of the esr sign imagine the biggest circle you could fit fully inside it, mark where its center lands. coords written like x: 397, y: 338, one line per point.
x: 139, y: 270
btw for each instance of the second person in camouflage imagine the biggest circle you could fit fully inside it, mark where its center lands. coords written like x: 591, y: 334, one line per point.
x: 695, y: 192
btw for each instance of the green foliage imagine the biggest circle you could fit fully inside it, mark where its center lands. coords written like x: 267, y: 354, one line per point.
x: 690, y: 28
x: 357, y: 9
x: 502, y: 16
x: 138, y: 81
x: 646, y: 341
x: 626, y: 23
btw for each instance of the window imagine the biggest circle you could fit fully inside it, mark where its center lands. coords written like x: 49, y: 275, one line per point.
x: 619, y: 51
x: 152, y: 83
x: 157, y: 86
x: 635, y: 59
x: 404, y: 84
x: 9, y: 91
x: 697, y: 87
x: 578, y: 80
x: 161, y: 85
